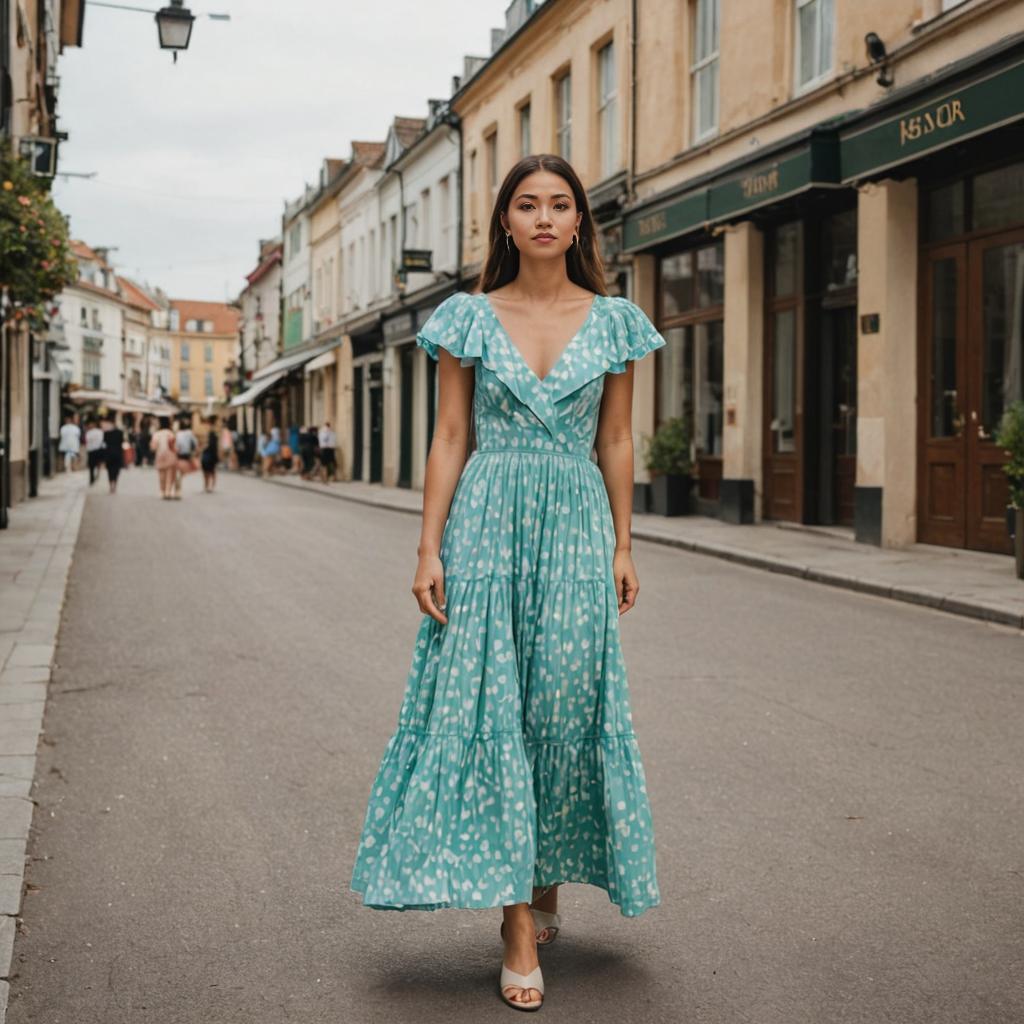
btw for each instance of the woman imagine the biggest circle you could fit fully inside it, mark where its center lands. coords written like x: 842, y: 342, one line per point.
x: 166, y: 458
x: 271, y: 450
x: 113, y: 452
x: 186, y: 444
x: 515, y: 767
x: 208, y: 460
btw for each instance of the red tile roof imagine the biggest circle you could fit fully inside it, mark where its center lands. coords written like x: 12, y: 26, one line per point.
x: 135, y: 296
x: 225, y: 318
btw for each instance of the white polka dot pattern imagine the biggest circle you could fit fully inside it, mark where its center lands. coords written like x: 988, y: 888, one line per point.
x: 514, y: 762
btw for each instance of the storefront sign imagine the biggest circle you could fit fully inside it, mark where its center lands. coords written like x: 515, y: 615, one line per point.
x: 967, y: 110
x: 686, y: 213
x: 398, y: 328
x: 813, y: 164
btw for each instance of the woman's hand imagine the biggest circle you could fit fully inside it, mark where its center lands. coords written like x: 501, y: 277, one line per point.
x: 627, y: 586
x: 429, y: 587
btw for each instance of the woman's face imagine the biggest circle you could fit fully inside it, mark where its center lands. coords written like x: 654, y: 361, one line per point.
x: 542, y: 216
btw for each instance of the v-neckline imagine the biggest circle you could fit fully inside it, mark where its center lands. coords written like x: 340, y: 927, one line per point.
x: 522, y: 359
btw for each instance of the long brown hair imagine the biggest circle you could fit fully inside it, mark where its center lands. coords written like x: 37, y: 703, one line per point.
x: 583, y: 262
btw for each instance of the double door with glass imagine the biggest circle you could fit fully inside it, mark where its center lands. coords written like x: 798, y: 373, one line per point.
x: 972, y: 362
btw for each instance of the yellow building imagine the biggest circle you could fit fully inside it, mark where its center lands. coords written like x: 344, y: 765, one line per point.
x: 204, y: 340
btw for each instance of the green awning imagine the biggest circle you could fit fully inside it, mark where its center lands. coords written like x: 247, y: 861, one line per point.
x: 735, y: 191
x: 678, y: 216
x: 958, y: 113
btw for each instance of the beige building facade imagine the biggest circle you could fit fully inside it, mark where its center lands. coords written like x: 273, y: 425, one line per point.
x: 562, y: 79
x: 826, y: 220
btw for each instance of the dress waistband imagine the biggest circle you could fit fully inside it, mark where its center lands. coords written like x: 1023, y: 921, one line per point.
x: 531, y: 451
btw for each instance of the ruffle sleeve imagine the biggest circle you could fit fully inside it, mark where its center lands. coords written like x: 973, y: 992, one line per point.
x: 631, y: 334
x: 453, y: 326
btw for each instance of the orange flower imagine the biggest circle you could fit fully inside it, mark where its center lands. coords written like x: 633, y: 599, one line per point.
x: 8, y: 185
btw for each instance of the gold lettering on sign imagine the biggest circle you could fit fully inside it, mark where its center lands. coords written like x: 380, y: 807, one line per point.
x: 760, y: 184
x: 945, y: 115
x: 650, y: 225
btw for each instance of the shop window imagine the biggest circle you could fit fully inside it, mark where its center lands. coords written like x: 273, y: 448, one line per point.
x: 989, y: 201
x: 693, y: 280
x: 704, y: 69
x: 943, y: 348
x: 690, y: 369
x: 999, y: 198
x: 946, y: 211
x: 785, y: 260
x: 839, y: 243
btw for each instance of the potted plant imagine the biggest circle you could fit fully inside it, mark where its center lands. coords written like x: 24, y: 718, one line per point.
x: 668, y: 460
x: 1010, y: 437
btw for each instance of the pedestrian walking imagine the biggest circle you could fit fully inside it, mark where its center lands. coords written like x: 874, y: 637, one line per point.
x: 165, y: 457
x: 208, y: 460
x: 514, y: 767
x: 142, y: 439
x: 186, y: 444
x: 113, y: 452
x: 93, y: 449
x: 307, y: 451
x: 70, y: 443
x: 270, y: 452
x: 327, y: 441
x: 227, y: 447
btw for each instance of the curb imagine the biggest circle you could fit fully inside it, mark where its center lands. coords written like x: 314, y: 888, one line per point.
x: 27, y: 658
x: 894, y: 592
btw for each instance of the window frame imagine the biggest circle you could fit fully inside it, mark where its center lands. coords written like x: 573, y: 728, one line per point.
x: 700, y: 63
x: 607, y: 110
x: 825, y: 72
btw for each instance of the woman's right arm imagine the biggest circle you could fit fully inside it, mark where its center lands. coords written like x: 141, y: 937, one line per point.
x: 448, y: 451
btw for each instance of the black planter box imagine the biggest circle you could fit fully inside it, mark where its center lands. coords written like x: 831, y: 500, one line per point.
x: 670, y: 494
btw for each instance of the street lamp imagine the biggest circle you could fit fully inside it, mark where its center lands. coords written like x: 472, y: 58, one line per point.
x: 174, y: 24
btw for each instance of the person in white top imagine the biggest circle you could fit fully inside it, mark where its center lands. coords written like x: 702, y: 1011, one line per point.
x: 327, y: 439
x: 94, y: 450
x: 70, y: 442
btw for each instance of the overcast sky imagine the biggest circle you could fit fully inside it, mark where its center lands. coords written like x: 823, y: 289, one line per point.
x: 193, y: 160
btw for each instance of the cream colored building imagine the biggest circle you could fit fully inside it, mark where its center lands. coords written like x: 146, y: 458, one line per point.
x: 826, y: 223
x: 560, y: 80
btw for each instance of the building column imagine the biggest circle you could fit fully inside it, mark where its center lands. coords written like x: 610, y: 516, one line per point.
x: 420, y: 443
x: 391, y: 375
x: 645, y: 272
x: 743, y: 373
x: 341, y: 414
x: 885, y: 495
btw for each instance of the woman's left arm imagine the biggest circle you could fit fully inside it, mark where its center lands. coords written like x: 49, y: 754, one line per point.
x: 614, y: 446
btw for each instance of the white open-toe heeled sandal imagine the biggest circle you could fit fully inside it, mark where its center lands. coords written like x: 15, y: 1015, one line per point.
x: 532, y: 980
x: 552, y: 922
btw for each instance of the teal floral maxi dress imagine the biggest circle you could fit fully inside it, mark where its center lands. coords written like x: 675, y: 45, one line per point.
x: 515, y: 763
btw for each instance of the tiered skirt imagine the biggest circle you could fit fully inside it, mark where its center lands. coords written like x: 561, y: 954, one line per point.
x: 514, y: 763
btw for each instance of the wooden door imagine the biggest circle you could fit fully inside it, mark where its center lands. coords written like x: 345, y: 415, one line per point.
x: 971, y: 369
x: 942, y: 511
x: 995, y: 378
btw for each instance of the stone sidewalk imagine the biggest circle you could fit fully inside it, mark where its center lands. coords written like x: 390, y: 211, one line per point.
x: 35, y: 556
x: 971, y: 583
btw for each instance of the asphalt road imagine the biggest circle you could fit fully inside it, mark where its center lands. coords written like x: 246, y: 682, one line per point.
x: 836, y: 784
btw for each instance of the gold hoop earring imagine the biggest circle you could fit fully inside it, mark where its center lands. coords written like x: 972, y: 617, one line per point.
x: 508, y: 246
x: 575, y: 240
